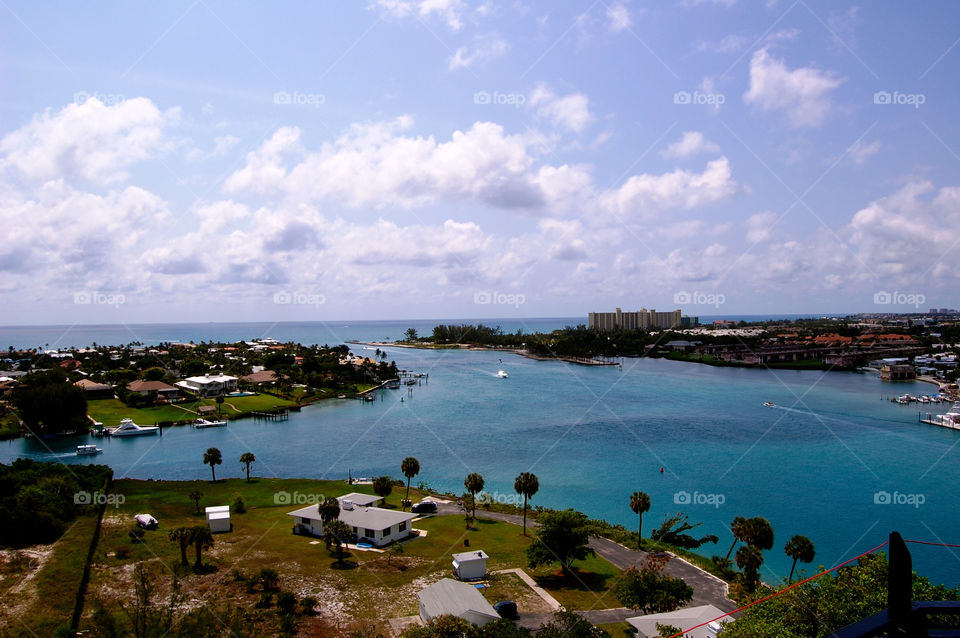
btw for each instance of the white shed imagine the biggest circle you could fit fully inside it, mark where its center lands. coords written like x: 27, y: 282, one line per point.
x: 470, y: 565
x: 218, y: 518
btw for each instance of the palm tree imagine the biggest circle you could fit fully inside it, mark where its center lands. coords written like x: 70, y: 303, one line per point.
x: 219, y: 401
x: 182, y: 536
x: 202, y: 538
x: 337, y: 532
x: 738, y: 527
x: 329, y: 510
x: 247, y: 458
x: 474, y: 484
x: 195, y: 496
x: 410, y: 468
x: 749, y: 559
x: 382, y: 486
x: 759, y: 533
x: 528, y: 485
x: 640, y: 503
x: 212, y: 457
x: 799, y: 548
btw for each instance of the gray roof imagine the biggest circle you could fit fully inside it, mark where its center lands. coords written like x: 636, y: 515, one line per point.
x: 457, y: 599
x: 363, y: 500
x: 360, y: 517
x: 463, y: 557
x: 646, y: 626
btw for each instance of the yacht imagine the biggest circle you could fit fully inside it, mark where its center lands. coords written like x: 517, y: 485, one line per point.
x: 203, y: 423
x: 502, y: 374
x: 769, y: 404
x: 88, y: 449
x: 129, y: 428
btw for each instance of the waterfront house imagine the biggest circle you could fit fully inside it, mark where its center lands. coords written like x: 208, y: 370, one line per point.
x: 161, y: 389
x: 646, y: 626
x: 95, y: 390
x: 452, y: 598
x: 374, y: 525
x: 470, y: 565
x: 209, y: 385
x: 260, y: 377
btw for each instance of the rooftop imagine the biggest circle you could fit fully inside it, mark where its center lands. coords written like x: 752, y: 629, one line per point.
x: 365, y: 517
x: 458, y: 599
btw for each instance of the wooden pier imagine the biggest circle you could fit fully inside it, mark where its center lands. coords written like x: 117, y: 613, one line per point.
x: 283, y: 415
x: 931, y: 419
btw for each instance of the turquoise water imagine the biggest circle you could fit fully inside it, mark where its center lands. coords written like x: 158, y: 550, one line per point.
x: 812, y: 465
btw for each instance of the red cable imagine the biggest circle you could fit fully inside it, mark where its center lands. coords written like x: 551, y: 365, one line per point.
x: 929, y: 543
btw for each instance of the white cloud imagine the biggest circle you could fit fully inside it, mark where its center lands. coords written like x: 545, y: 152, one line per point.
x: 760, y: 227
x: 646, y: 194
x: 803, y: 93
x: 692, y: 143
x: 619, y: 18
x: 450, y: 11
x: 484, y: 48
x: 91, y: 141
x: 860, y: 152
x: 571, y: 112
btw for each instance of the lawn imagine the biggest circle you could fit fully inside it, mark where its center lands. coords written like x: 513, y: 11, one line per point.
x: 256, y: 403
x: 370, y: 586
x: 110, y: 411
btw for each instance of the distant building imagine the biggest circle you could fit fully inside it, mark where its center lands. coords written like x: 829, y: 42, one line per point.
x: 375, y: 525
x: 95, y: 390
x: 898, y: 372
x: 642, y: 319
x: 706, y: 618
x: 163, y: 390
x: 451, y: 598
x: 470, y: 565
x: 209, y: 385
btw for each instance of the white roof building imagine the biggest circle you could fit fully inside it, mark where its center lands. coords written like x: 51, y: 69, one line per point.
x: 452, y: 598
x: 374, y: 525
x: 209, y: 385
x: 688, y: 617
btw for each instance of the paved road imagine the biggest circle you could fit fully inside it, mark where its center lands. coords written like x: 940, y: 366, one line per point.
x: 707, y: 588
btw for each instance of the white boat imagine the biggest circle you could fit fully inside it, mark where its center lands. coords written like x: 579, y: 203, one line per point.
x: 129, y: 428
x: 88, y: 449
x: 769, y: 404
x: 203, y: 423
x: 502, y: 374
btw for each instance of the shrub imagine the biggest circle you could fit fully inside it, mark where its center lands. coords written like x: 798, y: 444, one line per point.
x: 265, y: 600
x: 308, y: 604
x: 238, y: 506
x: 286, y: 602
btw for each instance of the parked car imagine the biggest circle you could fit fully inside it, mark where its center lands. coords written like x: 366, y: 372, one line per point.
x: 424, y: 507
x: 146, y: 521
x: 507, y: 609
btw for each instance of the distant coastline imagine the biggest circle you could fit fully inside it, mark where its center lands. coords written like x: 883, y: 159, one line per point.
x: 465, y: 346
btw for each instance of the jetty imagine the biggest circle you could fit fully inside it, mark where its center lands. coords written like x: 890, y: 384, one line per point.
x: 282, y: 415
x: 950, y: 420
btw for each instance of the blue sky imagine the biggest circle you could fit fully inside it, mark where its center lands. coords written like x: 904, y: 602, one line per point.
x: 188, y: 161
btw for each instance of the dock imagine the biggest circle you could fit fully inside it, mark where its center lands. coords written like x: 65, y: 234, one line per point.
x: 951, y: 420
x: 282, y: 415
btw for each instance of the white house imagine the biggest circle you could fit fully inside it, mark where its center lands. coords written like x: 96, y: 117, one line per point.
x: 453, y: 598
x: 361, y: 500
x: 374, y: 525
x: 686, y: 618
x: 209, y: 385
x: 218, y: 518
x: 470, y: 565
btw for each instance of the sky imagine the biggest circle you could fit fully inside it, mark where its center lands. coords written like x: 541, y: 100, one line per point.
x: 246, y: 161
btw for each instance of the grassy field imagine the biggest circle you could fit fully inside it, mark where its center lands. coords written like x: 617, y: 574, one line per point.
x: 371, y: 586
x: 110, y: 411
x: 46, y: 601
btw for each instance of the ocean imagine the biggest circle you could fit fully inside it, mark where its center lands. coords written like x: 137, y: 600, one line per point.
x: 832, y: 461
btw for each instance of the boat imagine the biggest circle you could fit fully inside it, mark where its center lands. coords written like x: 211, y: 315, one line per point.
x: 88, y: 449
x: 203, y: 423
x: 411, y: 382
x: 393, y: 384
x: 129, y: 428
x: 769, y: 404
x: 502, y: 374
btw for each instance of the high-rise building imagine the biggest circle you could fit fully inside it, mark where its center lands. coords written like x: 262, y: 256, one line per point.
x: 642, y: 319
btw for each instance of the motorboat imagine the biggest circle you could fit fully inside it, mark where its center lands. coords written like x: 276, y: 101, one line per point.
x: 88, y: 449
x: 502, y: 374
x: 203, y: 423
x: 129, y: 428
x: 769, y: 404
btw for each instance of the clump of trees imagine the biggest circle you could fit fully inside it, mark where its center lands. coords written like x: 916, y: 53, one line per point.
x: 648, y: 590
x: 39, y: 500
x: 562, y: 537
x: 49, y: 404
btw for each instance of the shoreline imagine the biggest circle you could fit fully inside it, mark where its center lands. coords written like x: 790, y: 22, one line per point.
x: 465, y: 346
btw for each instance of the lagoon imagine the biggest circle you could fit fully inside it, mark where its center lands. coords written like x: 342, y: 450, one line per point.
x: 818, y: 464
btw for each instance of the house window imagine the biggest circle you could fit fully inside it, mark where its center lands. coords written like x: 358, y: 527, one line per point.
x: 354, y: 530
x: 385, y: 533
x: 369, y: 533
x: 402, y: 526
